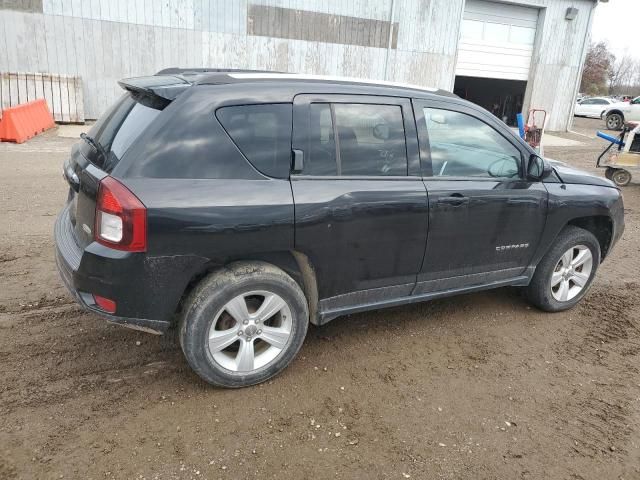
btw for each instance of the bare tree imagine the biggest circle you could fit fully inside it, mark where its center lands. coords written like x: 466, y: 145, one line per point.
x: 604, y: 73
x: 596, y: 67
x: 621, y: 73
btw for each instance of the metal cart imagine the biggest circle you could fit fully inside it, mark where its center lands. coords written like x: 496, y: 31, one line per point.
x: 534, y: 129
x: 623, y: 160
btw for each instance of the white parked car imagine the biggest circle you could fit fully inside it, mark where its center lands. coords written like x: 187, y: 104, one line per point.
x: 620, y: 112
x: 593, y: 107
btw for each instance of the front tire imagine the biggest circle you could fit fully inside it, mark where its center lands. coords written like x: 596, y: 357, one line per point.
x: 243, y: 325
x: 565, y: 273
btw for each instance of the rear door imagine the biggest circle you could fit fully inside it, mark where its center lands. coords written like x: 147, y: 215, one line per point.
x: 360, y: 205
x: 485, y: 217
x: 597, y: 108
x: 587, y: 107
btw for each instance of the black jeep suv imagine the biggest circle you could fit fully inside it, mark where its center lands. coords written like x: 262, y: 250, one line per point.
x: 241, y: 206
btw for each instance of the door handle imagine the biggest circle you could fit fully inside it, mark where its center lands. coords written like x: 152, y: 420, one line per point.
x: 454, y: 200
x: 297, y: 161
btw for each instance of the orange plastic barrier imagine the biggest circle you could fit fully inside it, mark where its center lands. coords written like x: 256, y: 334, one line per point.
x: 22, y: 122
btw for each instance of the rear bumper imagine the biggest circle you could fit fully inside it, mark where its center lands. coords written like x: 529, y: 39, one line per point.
x: 128, y: 278
x: 86, y: 300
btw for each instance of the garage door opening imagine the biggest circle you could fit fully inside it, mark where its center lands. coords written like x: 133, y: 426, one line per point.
x: 503, y: 98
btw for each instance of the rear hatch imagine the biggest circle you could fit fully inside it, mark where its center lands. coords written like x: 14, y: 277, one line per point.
x: 100, y: 149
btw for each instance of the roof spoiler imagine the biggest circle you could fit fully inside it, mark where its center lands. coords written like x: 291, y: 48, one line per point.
x: 182, y: 71
x: 156, y: 91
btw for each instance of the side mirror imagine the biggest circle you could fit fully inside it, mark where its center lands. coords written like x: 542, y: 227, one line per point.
x: 538, y: 169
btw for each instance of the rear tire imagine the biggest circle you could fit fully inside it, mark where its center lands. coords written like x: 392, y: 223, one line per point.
x: 565, y: 273
x: 243, y: 325
x: 614, y: 121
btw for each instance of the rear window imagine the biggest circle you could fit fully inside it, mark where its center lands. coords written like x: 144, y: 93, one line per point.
x: 370, y: 140
x: 263, y: 135
x: 118, y: 128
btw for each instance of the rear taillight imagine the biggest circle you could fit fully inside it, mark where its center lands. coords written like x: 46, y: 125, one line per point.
x: 121, y: 218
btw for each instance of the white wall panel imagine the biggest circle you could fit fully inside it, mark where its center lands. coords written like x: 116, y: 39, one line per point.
x: 105, y: 40
x: 557, y: 60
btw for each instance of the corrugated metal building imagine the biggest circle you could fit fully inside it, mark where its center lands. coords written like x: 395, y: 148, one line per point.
x: 505, y: 56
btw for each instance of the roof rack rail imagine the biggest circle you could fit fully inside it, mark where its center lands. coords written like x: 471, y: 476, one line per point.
x: 331, y: 78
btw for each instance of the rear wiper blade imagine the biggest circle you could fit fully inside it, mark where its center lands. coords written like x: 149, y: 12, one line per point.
x: 95, y: 145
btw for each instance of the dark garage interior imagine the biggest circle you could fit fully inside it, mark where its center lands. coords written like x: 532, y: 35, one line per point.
x: 503, y: 98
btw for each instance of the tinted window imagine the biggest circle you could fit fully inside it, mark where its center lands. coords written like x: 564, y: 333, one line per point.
x: 370, y: 140
x: 600, y: 102
x: 263, y: 134
x: 462, y: 145
x: 321, y: 155
x: 118, y: 128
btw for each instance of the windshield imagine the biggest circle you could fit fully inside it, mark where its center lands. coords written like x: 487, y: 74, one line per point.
x: 118, y: 128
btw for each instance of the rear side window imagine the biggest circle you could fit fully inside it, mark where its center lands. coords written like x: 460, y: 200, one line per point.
x: 263, y: 135
x: 371, y: 139
x: 117, y: 129
x: 355, y: 139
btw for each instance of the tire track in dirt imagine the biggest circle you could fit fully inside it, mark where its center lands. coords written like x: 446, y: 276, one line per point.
x: 599, y: 415
x: 73, y: 365
x: 610, y: 318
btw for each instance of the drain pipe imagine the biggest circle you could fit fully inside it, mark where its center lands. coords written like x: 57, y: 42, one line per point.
x: 390, y: 40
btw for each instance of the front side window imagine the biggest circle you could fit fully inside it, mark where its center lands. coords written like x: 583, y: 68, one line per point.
x: 463, y: 146
x: 353, y: 139
x: 263, y: 135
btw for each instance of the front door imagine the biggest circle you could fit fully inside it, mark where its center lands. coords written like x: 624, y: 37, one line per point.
x: 485, y: 217
x: 360, y: 204
x: 633, y: 114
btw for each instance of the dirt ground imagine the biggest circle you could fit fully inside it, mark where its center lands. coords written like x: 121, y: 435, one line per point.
x: 479, y: 386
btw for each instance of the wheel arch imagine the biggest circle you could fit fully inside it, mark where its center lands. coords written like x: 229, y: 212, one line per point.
x: 295, y: 264
x: 614, y: 111
x: 601, y: 226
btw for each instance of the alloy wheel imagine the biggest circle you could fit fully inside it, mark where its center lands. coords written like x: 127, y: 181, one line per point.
x: 614, y: 122
x: 571, y: 274
x: 250, y: 331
